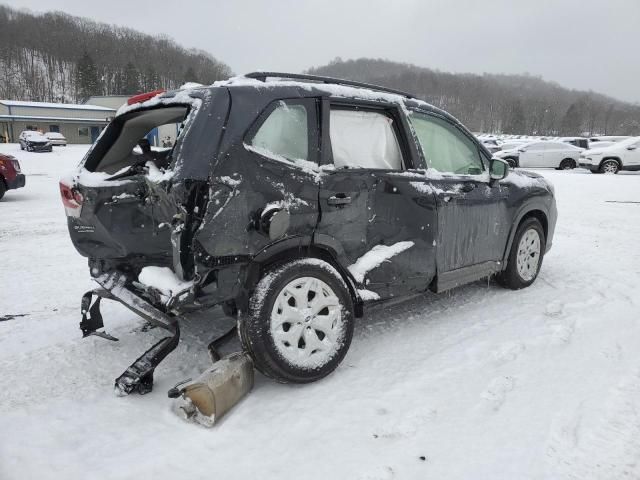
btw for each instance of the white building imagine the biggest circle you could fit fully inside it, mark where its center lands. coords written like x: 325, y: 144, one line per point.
x: 78, y: 123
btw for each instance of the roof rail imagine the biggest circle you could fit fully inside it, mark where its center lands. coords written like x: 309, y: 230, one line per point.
x: 262, y: 76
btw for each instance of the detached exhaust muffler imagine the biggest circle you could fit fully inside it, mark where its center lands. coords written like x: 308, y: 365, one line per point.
x: 211, y: 395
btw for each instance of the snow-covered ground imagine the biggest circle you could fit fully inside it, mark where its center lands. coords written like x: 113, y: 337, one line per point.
x: 480, y: 383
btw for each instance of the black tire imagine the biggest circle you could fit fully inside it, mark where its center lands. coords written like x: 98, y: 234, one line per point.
x: 3, y: 188
x: 510, y: 277
x: 513, y: 163
x: 255, y: 330
x: 567, y: 164
x: 610, y: 166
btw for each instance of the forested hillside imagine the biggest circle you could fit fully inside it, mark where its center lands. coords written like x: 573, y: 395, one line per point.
x: 59, y: 58
x: 520, y: 104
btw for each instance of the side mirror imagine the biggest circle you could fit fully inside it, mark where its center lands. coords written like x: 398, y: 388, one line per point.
x: 498, y: 169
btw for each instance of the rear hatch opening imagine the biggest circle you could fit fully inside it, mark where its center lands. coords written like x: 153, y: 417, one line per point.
x: 118, y: 203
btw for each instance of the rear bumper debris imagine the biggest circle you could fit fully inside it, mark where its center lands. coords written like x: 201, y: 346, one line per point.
x: 139, y: 375
x: 216, y: 391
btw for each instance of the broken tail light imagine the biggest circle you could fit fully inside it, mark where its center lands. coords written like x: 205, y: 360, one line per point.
x: 71, y: 199
x: 143, y: 97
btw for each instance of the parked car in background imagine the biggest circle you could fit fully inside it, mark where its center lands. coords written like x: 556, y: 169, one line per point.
x: 546, y: 154
x: 511, y: 144
x: 491, y: 144
x: 56, y: 139
x: 32, y: 141
x: 302, y: 217
x: 601, y: 144
x: 579, y: 142
x: 11, y: 176
x: 624, y: 155
x: 608, y: 138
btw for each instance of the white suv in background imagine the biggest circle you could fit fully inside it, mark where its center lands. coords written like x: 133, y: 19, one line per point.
x: 624, y: 155
x: 559, y: 155
x: 56, y: 139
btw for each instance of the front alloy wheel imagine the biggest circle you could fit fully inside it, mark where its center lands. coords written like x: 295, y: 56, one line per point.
x: 528, y: 256
x: 610, y: 167
x: 525, y: 257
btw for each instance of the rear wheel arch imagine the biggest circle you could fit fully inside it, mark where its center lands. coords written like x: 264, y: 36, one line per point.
x: 280, y: 254
x: 512, y: 161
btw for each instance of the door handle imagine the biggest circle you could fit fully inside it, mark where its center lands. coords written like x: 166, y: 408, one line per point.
x: 468, y: 187
x: 339, y: 199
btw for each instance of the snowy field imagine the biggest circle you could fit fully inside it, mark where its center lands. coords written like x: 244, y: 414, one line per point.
x: 479, y: 383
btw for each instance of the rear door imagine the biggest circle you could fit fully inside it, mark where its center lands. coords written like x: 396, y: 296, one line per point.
x: 376, y: 209
x: 532, y: 155
x: 554, y: 153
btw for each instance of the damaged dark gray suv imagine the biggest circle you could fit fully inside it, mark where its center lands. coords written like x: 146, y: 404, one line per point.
x: 293, y: 200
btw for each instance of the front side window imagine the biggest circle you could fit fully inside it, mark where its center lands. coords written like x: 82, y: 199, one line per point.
x: 284, y: 133
x: 363, y: 139
x: 445, y: 148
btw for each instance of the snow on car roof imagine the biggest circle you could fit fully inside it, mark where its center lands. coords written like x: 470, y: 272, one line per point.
x: 69, y: 106
x: 54, y: 135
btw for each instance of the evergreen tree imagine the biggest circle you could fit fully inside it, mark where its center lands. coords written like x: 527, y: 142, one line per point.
x: 190, y: 75
x: 131, y: 80
x: 151, y: 80
x: 572, y: 120
x: 87, y: 83
x: 516, y: 121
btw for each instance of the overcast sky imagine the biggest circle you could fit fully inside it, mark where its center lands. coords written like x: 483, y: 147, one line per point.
x: 580, y: 44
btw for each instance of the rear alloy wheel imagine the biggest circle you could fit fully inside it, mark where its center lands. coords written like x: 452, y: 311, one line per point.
x: 525, y: 257
x: 610, y: 167
x: 300, y: 321
x: 512, y: 162
x: 567, y: 164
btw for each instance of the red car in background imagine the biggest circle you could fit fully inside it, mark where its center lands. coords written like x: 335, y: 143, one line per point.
x: 10, y: 175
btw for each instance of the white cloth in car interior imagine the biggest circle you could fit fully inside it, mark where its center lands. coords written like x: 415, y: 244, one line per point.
x: 362, y: 139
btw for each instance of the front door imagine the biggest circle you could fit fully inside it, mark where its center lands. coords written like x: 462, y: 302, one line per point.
x: 378, y: 213
x: 472, y: 212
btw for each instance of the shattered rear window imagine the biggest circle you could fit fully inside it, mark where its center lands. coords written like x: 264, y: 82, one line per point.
x: 148, y: 135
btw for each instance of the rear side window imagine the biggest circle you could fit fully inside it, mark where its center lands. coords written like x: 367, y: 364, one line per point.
x: 284, y: 133
x: 445, y: 148
x: 364, y: 139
